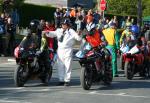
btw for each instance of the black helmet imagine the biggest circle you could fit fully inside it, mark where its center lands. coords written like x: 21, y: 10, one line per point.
x: 34, y: 25
x: 66, y: 21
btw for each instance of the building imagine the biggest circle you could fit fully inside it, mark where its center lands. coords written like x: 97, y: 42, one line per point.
x: 63, y: 3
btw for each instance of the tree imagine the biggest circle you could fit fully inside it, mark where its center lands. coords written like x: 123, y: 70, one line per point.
x: 146, y: 8
x: 18, y: 3
x: 122, y: 7
x: 127, y: 7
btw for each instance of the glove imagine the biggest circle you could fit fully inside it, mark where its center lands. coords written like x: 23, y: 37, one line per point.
x: 38, y: 52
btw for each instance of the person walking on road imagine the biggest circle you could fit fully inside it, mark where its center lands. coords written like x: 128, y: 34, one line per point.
x: 66, y: 38
x: 112, y: 38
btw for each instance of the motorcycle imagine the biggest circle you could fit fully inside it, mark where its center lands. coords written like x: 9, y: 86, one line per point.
x: 30, y: 67
x: 133, y: 62
x: 95, y: 66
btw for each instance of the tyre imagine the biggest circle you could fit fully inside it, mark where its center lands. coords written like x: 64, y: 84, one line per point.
x: 86, y: 78
x: 47, y: 76
x: 121, y: 63
x: 20, y: 76
x: 128, y: 67
x: 147, y: 69
x: 108, y: 76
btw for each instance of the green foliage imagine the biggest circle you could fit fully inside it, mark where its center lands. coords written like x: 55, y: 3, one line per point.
x: 122, y: 7
x: 29, y: 11
x: 18, y: 3
x: 146, y: 7
x: 127, y: 7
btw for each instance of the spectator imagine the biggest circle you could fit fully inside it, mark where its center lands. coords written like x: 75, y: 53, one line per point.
x: 10, y: 27
x: 89, y: 16
x: 96, y: 16
x: 73, y: 17
x: 122, y: 22
x: 80, y: 24
x: 50, y: 41
x: 57, y: 17
x: 115, y: 20
x: 100, y: 25
x: 15, y: 17
x: 2, y: 33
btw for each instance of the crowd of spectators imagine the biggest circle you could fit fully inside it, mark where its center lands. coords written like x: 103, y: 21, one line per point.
x: 9, y: 20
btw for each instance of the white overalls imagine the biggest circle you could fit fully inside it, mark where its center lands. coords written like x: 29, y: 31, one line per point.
x: 64, y: 52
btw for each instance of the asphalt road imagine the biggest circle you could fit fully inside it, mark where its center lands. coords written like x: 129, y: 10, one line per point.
x: 121, y: 90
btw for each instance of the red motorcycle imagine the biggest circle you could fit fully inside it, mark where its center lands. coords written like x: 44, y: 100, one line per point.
x: 30, y: 67
x: 95, y: 67
x: 133, y: 62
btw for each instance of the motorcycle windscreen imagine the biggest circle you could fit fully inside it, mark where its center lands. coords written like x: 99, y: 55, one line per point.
x: 124, y: 49
x: 133, y: 50
x: 81, y: 53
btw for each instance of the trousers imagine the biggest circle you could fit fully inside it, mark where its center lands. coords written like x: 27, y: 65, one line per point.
x: 64, y: 61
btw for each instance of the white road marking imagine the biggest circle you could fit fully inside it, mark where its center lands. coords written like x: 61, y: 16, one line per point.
x: 12, y: 88
x: 105, y: 94
x: 11, y: 60
x: 12, y: 101
x: 9, y: 101
x: 122, y: 93
x: 93, y: 92
x: 8, y: 63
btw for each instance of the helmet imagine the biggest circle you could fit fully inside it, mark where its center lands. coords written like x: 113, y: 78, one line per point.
x: 135, y: 29
x: 34, y: 25
x: 112, y: 24
x: 66, y: 21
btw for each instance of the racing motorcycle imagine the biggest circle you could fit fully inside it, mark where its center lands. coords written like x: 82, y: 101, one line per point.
x: 133, y: 62
x: 95, y: 66
x: 30, y: 67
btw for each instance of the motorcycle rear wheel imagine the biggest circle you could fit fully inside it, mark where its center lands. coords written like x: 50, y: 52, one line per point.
x: 86, y: 78
x: 128, y: 67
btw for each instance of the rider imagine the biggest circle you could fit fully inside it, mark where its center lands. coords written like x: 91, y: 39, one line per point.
x: 125, y: 34
x: 111, y: 36
x: 39, y: 43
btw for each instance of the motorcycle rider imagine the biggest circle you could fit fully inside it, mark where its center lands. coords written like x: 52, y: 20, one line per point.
x: 38, y: 43
x: 125, y: 34
x: 66, y: 37
x: 29, y: 40
x: 32, y: 36
x: 112, y: 38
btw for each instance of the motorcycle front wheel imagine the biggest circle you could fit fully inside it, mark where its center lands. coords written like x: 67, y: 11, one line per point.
x: 108, y: 76
x: 86, y: 78
x: 121, y: 62
x: 129, y: 70
x: 45, y: 79
x: 20, y: 76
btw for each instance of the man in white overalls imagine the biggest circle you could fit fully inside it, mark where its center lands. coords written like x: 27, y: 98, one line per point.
x: 66, y: 39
